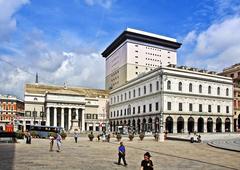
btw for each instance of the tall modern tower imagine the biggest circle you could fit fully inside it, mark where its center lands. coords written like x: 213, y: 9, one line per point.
x: 134, y: 52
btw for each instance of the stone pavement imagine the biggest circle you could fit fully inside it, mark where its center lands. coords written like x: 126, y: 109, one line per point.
x: 86, y: 155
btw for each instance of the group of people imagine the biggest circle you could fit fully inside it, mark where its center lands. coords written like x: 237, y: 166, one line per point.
x: 146, y: 163
x: 58, y: 140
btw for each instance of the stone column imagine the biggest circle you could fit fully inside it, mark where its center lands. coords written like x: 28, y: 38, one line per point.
x: 48, y: 117
x: 174, y: 127
x: 83, y: 120
x: 205, y: 127
x: 185, y: 126
x: 69, y: 118
x: 223, y: 126
x: 153, y: 125
x: 77, y: 114
x: 195, y: 127
x: 214, y: 126
x: 55, y: 117
x: 62, y: 118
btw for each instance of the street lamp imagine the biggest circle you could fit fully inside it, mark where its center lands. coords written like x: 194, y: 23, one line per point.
x: 161, y: 134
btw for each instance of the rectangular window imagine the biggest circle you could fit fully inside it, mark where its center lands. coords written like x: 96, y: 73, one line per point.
x: 134, y: 93
x: 125, y: 112
x: 114, y: 113
x: 156, y: 106
x: 150, y: 88
x: 139, y: 92
x: 125, y: 96
x: 157, y: 85
x: 144, y: 108
x: 209, y: 108
x: 139, y: 109
x: 150, y: 107
x: 200, y: 107
x: 121, y: 97
x: 190, y: 107
x: 144, y: 90
x: 129, y: 94
x: 227, y: 109
x: 180, y: 106
x: 133, y: 110
x: 218, y: 108
x: 169, y: 105
x: 117, y: 113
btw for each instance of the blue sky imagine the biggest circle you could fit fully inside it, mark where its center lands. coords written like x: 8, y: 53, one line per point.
x: 62, y: 40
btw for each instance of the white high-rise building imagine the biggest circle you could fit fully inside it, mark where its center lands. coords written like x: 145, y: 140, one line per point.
x: 135, y: 52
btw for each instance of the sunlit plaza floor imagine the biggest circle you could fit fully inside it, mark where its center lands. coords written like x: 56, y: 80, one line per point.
x: 95, y: 155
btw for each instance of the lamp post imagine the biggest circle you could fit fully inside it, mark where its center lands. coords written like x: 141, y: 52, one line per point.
x: 161, y: 134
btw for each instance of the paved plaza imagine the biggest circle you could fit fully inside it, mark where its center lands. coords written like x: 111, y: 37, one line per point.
x: 95, y: 155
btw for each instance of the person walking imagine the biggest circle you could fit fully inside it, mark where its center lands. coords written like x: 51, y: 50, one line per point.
x: 51, y: 142
x: 146, y: 163
x: 76, y: 135
x: 59, y: 142
x: 121, y: 154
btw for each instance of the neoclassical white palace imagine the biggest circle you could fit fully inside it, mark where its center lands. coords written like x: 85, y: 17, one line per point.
x: 53, y: 105
x: 190, y: 99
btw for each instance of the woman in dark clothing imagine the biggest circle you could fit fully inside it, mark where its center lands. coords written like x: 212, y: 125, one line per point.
x: 147, y: 164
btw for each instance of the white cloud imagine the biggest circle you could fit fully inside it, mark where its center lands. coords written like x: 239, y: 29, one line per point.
x: 214, y: 48
x: 65, y: 59
x: 7, y: 20
x: 104, y: 3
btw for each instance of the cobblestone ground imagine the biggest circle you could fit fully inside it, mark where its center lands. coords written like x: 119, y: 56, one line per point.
x: 95, y: 155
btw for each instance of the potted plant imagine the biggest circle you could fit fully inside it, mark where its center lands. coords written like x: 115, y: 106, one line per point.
x: 119, y: 136
x: 53, y: 134
x: 63, y: 135
x: 33, y: 134
x: 91, y: 136
x: 19, y: 134
x: 141, y: 136
x: 131, y: 136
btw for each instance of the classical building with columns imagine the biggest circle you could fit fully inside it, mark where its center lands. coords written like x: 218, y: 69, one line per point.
x: 190, y: 100
x: 72, y: 108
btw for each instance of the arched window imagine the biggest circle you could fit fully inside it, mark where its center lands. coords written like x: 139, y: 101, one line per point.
x: 190, y: 87
x: 227, y: 92
x: 200, y: 88
x: 169, y: 85
x: 180, y: 86
x: 218, y: 91
x: 209, y: 89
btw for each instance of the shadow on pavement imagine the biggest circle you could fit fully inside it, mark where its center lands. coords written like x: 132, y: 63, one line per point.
x: 7, y: 155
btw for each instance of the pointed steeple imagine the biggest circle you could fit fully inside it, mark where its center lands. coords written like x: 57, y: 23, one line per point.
x: 36, y: 81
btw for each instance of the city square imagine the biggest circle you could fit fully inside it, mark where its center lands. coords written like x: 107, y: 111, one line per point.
x: 86, y: 155
x: 87, y: 83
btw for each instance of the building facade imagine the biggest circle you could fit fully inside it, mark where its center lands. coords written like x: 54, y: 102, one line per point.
x: 68, y: 107
x: 190, y: 100
x: 11, y: 112
x: 135, y: 52
x: 234, y: 73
